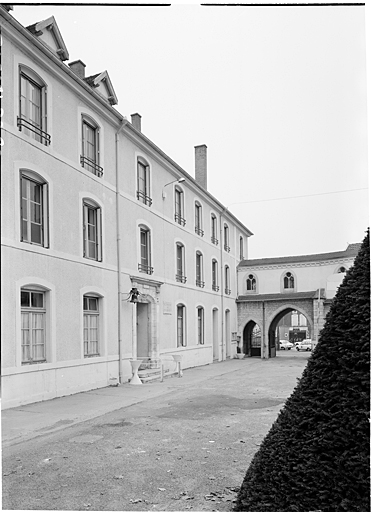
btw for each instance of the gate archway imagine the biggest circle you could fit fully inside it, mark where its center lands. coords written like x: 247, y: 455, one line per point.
x: 252, y: 339
x: 275, y: 319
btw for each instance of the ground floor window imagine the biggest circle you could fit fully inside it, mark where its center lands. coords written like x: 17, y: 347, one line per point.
x: 91, y: 326
x: 181, y: 338
x: 33, y: 321
x: 200, y: 326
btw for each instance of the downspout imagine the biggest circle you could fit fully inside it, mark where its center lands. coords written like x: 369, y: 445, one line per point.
x: 118, y: 239
x: 264, y: 344
x: 222, y: 279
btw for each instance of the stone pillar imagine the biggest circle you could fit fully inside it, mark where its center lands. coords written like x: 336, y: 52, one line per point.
x: 134, y: 349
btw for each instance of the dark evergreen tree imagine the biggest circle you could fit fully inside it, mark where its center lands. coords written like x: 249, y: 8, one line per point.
x: 316, y: 455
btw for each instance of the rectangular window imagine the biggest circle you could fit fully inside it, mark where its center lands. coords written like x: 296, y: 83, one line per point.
x: 33, y: 315
x: 181, y: 342
x: 32, y: 108
x: 92, y: 232
x: 143, y: 193
x: 200, y: 326
x: 91, y: 326
x: 180, y: 277
x: 145, y: 251
x: 90, y: 148
x: 33, y: 211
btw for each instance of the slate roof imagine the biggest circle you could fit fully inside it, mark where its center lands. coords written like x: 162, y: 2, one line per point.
x: 280, y: 296
x: 350, y: 252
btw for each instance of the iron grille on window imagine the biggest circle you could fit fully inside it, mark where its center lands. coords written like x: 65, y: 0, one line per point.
x: 45, y: 137
x: 145, y: 199
x: 214, y: 240
x: 180, y: 278
x: 227, y: 248
x: 227, y: 291
x: 145, y: 268
x: 215, y: 288
x: 179, y: 219
x: 199, y: 283
x: 199, y: 231
x: 91, y: 166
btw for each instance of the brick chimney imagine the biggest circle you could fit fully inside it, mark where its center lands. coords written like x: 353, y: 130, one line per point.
x: 78, y: 67
x: 201, y: 165
x: 136, y: 121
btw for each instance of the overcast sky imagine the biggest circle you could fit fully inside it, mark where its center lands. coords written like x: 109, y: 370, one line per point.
x: 278, y: 95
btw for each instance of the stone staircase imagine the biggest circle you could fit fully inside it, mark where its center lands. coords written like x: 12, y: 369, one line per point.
x: 158, y: 369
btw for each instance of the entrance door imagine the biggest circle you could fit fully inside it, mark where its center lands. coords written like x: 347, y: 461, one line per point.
x: 143, y: 330
x: 215, y: 336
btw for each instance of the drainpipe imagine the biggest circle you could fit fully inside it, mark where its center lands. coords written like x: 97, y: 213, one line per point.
x: 118, y: 238
x: 264, y: 344
x: 222, y: 279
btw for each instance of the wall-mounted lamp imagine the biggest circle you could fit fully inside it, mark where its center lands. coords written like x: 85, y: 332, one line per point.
x: 179, y: 180
x: 134, y: 292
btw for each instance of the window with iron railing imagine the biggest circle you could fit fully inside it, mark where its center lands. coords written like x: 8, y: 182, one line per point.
x: 143, y: 182
x: 214, y: 275
x: 226, y: 238
x: 145, y: 251
x: 227, y: 280
x: 89, y: 159
x: 198, y: 219
x: 199, y: 270
x: 179, y: 207
x: 214, y: 232
x: 92, y: 230
x: 180, y: 251
x: 32, y: 119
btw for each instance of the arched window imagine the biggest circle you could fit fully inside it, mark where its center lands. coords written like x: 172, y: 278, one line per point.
x: 251, y: 283
x: 92, y: 229
x: 181, y: 325
x: 32, y: 119
x: 227, y: 280
x: 143, y: 182
x: 91, y: 312
x: 241, y: 248
x: 288, y: 281
x: 34, y: 209
x: 198, y: 219
x: 199, y: 270
x: 90, y: 153
x: 180, y: 263
x: 145, y: 250
x: 200, y: 326
x: 341, y: 270
x: 214, y: 230
x: 33, y: 325
x: 226, y: 238
x: 214, y: 274
x: 179, y: 206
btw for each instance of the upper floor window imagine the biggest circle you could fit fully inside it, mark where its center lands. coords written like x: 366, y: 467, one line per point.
x: 227, y: 280
x: 180, y: 263
x: 226, y: 238
x: 145, y: 250
x: 214, y: 230
x: 92, y: 228
x: 288, y: 281
x: 251, y: 283
x: 33, y: 318
x: 181, y: 320
x: 90, y: 156
x: 32, y: 118
x: 200, y: 326
x: 143, y: 190
x: 214, y: 275
x: 91, y: 325
x: 241, y: 248
x: 34, y: 209
x: 199, y: 270
x: 198, y: 219
x: 179, y: 206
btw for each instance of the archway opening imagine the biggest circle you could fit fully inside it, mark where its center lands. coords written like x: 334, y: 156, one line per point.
x: 252, y: 339
x: 289, y: 325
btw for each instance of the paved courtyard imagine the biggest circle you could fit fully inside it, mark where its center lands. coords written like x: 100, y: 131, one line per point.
x: 183, y: 444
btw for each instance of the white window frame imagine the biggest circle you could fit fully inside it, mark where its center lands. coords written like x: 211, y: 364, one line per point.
x: 253, y: 281
x: 285, y: 276
x: 88, y: 161
x: 26, y: 177
x: 226, y: 237
x: 88, y: 316
x: 214, y: 275
x: 214, y: 229
x: 89, y: 204
x: 145, y: 255
x: 144, y: 184
x: 180, y: 262
x: 32, y: 312
x: 181, y: 335
x: 198, y: 219
x: 199, y: 270
x: 241, y: 248
x: 227, y: 277
x: 179, y: 215
x: 200, y: 325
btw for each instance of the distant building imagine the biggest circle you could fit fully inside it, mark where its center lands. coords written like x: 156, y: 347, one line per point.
x: 110, y: 250
x: 271, y: 288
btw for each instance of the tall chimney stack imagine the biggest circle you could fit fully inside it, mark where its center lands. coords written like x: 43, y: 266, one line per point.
x: 201, y: 165
x: 136, y: 121
x: 78, y: 67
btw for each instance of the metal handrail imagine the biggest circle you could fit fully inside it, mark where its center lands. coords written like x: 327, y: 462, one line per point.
x: 142, y: 195
x: 199, y: 231
x: 145, y: 268
x: 179, y: 219
x: 92, y: 164
x: 214, y: 240
x: 180, y: 278
x: 200, y: 283
x: 33, y: 128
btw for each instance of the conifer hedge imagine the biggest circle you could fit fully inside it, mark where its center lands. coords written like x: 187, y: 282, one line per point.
x: 316, y: 455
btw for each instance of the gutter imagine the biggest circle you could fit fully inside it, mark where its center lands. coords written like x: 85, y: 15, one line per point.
x: 118, y: 239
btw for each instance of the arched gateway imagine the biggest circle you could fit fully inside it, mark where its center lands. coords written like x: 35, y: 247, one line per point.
x: 270, y: 288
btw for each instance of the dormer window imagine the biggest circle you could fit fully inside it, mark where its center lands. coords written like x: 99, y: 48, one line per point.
x: 32, y: 118
x: 89, y: 158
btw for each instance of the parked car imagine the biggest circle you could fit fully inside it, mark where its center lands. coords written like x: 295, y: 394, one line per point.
x: 304, y: 345
x: 286, y: 345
